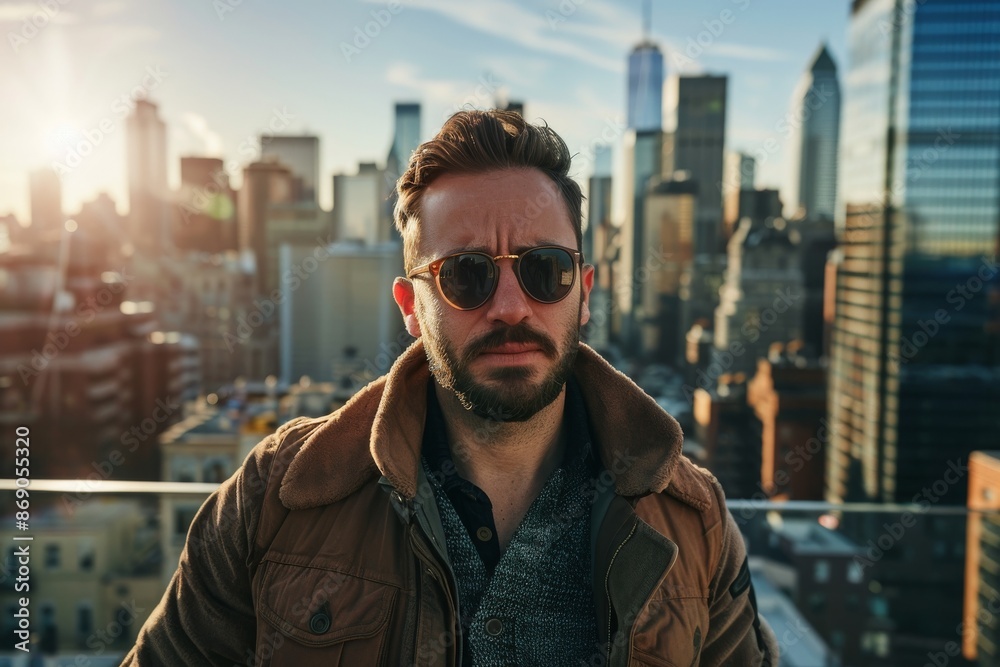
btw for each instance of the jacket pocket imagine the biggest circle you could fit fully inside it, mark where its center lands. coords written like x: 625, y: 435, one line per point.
x: 309, y: 615
x: 670, y: 632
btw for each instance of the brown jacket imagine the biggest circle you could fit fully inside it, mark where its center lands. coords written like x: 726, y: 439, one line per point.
x: 325, y: 548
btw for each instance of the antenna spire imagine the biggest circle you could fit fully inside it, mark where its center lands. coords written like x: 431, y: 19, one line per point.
x: 647, y: 19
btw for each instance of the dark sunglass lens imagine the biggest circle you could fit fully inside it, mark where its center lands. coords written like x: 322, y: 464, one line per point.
x: 467, y: 280
x: 547, y: 273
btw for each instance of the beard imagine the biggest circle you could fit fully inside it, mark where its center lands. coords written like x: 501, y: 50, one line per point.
x: 510, y: 395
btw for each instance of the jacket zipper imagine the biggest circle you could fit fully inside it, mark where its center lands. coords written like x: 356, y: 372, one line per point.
x: 425, y: 556
x: 607, y: 589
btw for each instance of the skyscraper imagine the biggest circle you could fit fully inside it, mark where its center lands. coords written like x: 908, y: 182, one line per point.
x: 670, y: 210
x: 739, y: 176
x: 207, y: 221
x: 146, y: 147
x: 645, y: 87
x: 645, y: 82
x: 45, y: 191
x: 342, y: 315
x: 643, y: 161
x: 815, y: 120
x: 598, y: 200
x: 915, y: 367
x: 264, y: 183
x: 699, y: 142
x: 982, y: 640
x: 915, y: 349
x: 300, y: 153
x: 358, y: 211
x: 596, y: 250
x: 515, y: 106
x: 405, y: 138
x: 760, y: 302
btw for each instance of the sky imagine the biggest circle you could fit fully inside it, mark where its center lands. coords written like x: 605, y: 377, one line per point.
x: 222, y: 71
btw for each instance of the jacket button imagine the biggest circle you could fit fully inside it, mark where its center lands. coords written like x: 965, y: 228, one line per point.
x: 319, y: 623
x: 494, y: 627
x: 484, y: 534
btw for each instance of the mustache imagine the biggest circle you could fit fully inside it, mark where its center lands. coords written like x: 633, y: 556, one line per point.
x: 519, y: 333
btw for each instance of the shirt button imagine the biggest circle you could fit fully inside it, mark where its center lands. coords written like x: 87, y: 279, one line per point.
x: 494, y: 627
x: 484, y: 534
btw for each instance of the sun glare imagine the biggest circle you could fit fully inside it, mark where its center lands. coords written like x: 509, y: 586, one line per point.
x: 61, y: 137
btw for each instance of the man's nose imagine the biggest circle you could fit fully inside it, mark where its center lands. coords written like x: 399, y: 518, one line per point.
x: 509, y: 304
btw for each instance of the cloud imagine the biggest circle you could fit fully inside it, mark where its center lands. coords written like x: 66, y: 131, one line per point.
x: 519, y: 71
x: 196, y: 124
x: 108, y: 8
x: 438, y: 90
x: 747, y: 52
x: 17, y: 12
x: 528, y: 29
x: 448, y: 95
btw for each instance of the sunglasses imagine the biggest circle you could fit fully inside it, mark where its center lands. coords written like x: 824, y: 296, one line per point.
x: 467, y: 280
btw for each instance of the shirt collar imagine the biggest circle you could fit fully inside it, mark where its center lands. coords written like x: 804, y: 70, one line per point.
x: 437, y: 452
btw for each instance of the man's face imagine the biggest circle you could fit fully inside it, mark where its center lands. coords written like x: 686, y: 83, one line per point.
x: 509, y: 358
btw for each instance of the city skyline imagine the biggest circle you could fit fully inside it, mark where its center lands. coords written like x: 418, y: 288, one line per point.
x: 566, y: 62
x: 836, y: 341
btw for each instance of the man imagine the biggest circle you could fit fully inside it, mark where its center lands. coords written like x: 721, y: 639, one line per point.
x: 502, y: 497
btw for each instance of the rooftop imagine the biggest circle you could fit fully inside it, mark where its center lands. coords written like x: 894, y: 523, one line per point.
x: 806, y: 648
x: 810, y: 537
x: 205, y: 422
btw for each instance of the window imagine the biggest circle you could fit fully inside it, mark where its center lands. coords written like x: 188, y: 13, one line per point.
x: 85, y: 619
x: 52, y: 556
x: 817, y: 602
x: 85, y: 554
x: 183, y: 469
x: 182, y: 520
x: 879, y: 607
x: 215, y: 470
x: 855, y: 573
x: 49, y: 641
x: 821, y: 571
x: 875, y: 643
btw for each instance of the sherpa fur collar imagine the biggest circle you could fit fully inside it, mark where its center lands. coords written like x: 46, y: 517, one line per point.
x: 380, y: 431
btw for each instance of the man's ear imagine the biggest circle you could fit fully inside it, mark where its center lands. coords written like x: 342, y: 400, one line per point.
x: 586, y: 284
x: 402, y: 292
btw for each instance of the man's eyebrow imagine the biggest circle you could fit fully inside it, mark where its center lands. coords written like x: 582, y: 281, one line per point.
x: 540, y: 242
x: 468, y: 248
x: 516, y: 250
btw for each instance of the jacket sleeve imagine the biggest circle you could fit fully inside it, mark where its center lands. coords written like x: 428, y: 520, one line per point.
x: 737, y: 635
x: 206, y: 615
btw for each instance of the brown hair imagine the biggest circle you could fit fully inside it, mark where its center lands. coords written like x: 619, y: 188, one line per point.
x: 480, y: 141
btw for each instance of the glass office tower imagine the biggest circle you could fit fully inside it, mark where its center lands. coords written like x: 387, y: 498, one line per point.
x: 915, y: 357
x: 815, y: 142
x: 915, y: 342
x: 645, y: 87
x: 643, y: 160
x: 405, y: 138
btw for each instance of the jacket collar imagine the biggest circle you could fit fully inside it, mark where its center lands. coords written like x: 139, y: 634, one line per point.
x: 380, y: 431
